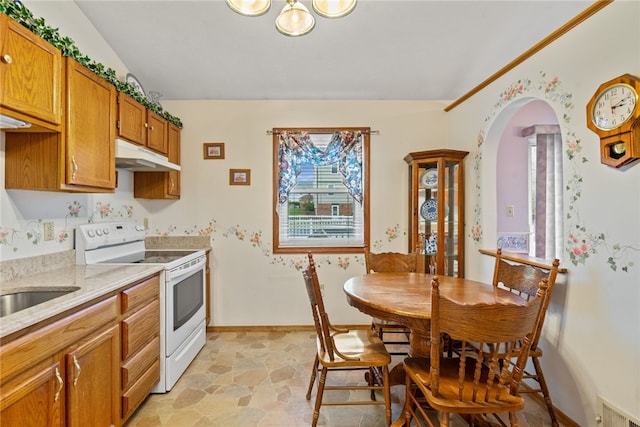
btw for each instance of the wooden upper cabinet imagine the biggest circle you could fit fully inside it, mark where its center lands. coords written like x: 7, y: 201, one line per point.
x: 132, y: 120
x: 80, y: 159
x: 90, y: 137
x: 161, y: 185
x: 157, y: 133
x: 30, y: 76
x: 141, y: 126
x: 173, y: 184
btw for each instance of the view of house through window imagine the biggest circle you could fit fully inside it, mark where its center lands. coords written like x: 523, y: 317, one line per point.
x: 321, y: 189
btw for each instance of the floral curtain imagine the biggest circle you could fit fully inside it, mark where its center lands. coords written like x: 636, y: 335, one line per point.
x: 296, y: 148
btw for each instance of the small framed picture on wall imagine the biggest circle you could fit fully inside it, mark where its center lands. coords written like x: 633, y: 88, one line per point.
x: 213, y: 150
x: 239, y: 176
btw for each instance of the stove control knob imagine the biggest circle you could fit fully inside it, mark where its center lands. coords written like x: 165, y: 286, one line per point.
x: 105, y: 231
x: 139, y: 228
x: 99, y: 232
x: 90, y: 233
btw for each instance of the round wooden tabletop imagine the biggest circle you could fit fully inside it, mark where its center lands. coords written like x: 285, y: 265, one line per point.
x: 405, y: 298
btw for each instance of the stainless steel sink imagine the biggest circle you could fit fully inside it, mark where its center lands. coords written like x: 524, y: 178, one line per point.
x: 11, y: 303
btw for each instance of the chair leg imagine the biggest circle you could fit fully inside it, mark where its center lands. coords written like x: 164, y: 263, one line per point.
x: 545, y: 391
x: 387, y: 393
x: 371, y: 379
x: 316, y: 409
x: 513, y: 420
x: 444, y: 419
x: 314, y: 372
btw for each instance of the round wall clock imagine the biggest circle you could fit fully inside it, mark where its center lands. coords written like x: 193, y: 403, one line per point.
x: 614, y: 114
x: 613, y: 106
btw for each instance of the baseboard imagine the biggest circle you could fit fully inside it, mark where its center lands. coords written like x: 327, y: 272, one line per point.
x: 561, y: 416
x: 272, y: 328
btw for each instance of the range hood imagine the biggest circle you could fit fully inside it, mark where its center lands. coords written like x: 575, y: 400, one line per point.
x: 136, y: 158
x: 7, y: 122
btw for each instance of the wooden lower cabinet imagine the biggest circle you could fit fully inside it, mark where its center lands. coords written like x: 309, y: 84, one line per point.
x: 92, y: 380
x: 93, y: 367
x: 35, y: 397
x: 140, y: 347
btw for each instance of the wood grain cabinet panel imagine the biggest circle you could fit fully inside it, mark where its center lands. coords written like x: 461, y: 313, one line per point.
x: 132, y: 120
x: 30, y: 76
x: 34, y: 398
x: 140, y: 343
x: 138, y: 328
x: 92, y: 380
x: 64, y: 374
x: 161, y: 185
x: 80, y: 159
x: 141, y: 126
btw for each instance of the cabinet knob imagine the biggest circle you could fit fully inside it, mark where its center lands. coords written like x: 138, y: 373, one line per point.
x: 7, y: 59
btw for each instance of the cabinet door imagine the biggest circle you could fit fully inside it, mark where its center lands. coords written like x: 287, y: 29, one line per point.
x: 30, y: 73
x: 90, y: 134
x: 34, y: 399
x: 173, y: 178
x: 157, y: 133
x: 93, y: 385
x: 132, y: 120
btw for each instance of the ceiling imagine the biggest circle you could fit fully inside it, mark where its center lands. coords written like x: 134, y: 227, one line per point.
x: 393, y: 49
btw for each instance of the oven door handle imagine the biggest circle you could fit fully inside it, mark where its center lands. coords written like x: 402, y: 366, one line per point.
x: 176, y: 274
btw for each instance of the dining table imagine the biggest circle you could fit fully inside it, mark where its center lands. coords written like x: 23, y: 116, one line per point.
x: 405, y: 298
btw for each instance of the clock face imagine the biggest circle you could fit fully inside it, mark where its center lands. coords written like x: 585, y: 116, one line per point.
x: 614, y: 106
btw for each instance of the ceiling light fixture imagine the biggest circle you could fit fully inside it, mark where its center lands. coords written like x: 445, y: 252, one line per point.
x: 295, y: 19
x: 250, y: 7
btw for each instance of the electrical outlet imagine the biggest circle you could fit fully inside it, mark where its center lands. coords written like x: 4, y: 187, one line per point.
x: 145, y: 222
x: 509, y: 210
x: 47, y: 230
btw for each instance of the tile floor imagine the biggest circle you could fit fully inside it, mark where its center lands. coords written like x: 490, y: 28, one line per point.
x: 243, y: 379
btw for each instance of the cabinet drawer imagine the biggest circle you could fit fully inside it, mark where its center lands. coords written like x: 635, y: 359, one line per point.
x: 140, y: 362
x: 140, y: 390
x: 139, y: 327
x: 136, y: 295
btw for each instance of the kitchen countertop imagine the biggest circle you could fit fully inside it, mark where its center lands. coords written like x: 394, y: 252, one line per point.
x: 93, y: 282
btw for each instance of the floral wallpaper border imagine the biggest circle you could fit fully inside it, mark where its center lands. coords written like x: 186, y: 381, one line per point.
x: 581, y: 242
x: 33, y: 232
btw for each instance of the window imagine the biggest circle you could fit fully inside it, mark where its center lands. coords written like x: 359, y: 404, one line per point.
x: 321, y: 190
x: 545, y: 191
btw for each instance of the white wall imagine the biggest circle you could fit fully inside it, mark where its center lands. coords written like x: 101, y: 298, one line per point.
x: 251, y: 285
x: 592, y: 333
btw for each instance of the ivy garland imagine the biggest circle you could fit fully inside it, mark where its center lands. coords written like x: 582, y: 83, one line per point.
x: 19, y: 13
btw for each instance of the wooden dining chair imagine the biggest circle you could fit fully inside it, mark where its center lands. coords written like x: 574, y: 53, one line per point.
x: 344, y: 349
x: 393, y: 262
x: 521, y: 274
x: 475, y: 382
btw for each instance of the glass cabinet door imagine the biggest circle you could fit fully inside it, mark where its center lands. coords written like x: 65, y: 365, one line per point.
x: 436, y: 209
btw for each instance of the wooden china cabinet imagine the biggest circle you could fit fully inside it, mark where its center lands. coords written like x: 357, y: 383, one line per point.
x: 436, y: 209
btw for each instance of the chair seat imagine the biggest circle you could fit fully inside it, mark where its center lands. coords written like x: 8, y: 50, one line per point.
x: 418, y: 370
x: 359, y: 347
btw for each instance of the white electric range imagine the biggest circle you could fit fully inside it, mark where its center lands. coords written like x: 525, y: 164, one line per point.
x: 182, y: 290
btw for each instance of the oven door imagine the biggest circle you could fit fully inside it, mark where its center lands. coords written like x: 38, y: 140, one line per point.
x: 185, y: 309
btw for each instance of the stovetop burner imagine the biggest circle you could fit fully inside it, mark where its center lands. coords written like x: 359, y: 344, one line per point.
x: 150, y: 257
